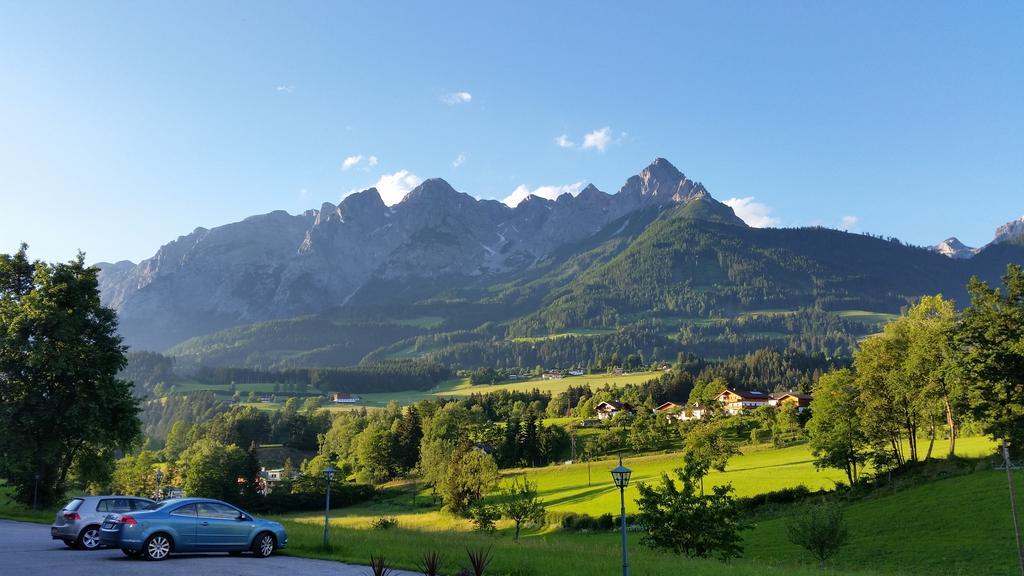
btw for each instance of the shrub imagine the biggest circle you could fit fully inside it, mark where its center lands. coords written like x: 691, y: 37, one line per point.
x: 479, y: 560
x: 385, y: 523
x: 378, y: 566
x: 820, y: 529
x: 431, y: 563
x: 605, y: 522
x: 484, y: 517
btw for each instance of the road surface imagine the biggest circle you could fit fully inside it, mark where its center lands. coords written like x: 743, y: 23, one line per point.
x: 27, y: 550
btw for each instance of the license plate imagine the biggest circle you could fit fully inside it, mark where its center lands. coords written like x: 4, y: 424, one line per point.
x: 108, y: 525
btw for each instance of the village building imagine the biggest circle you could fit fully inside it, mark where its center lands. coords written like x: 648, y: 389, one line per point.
x: 611, y: 408
x: 800, y: 401
x: 552, y: 375
x: 344, y: 398
x: 736, y: 401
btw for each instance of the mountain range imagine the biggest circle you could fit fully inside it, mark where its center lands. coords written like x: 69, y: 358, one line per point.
x: 954, y: 248
x: 360, y: 275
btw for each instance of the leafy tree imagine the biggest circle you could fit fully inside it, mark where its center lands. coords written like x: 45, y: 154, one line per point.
x: 521, y: 505
x: 678, y: 519
x: 375, y: 452
x: 135, y: 474
x: 60, y: 354
x: 484, y: 517
x: 834, y: 430
x: 820, y: 529
x: 470, y: 474
x: 991, y: 339
x: 708, y: 443
x: 252, y: 482
x: 408, y: 433
x: 212, y: 469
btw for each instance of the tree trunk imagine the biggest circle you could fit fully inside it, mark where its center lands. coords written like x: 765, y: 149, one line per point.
x: 931, y: 441
x: 951, y: 424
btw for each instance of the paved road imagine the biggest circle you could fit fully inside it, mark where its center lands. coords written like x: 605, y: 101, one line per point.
x: 26, y: 549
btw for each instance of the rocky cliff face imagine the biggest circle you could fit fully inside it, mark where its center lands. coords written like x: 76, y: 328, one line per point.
x: 277, y: 265
x: 954, y: 248
x: 1011, y: 231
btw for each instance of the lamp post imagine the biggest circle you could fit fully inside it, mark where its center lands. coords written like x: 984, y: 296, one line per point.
x: 159, y: 479
x: 35, y: 492
x: 1013, y: 502
x: 620, y: 474
x: 329, y: 475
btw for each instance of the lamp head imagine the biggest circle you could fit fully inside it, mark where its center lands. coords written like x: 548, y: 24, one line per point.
x: 620, y: 474
x: 329, y: 473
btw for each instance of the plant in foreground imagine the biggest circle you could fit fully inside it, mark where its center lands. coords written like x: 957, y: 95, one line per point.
x: 379, y: 566
x: 431, y: 563
x: 479, y: 560
x: 820, y: 529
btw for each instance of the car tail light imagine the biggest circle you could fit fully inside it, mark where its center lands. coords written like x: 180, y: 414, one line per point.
x: 127, y: 520
x: 72, y: 516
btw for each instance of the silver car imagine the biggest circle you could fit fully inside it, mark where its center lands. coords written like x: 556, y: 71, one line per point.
x: 78, y: 522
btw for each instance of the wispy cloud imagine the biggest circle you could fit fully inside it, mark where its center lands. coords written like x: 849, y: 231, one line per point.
x: 453, y: 98
x: 753, y: 213
x: 597, y: 140
x: 393, y: 187
x: 563, y: 141
x: 353, y: 161
x: 459, y: 160
x: 286, y: 88
x: 549, y: 192
x: 848, y: 222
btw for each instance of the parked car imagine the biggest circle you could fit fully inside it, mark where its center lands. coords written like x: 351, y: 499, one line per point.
x: 78, y: 522
x: 191, y: 525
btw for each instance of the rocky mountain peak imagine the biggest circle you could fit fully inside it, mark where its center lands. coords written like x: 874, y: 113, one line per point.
x: 433, y: 189
x: 663, y: 183
x: 954, y: 248
x: 1009, y: 231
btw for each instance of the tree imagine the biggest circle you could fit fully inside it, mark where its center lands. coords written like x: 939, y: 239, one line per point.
x: 521, y: 505
x: 177, y: 440
x: 252, y: 482
x: 212, y: 469
x: 135, y: 474
x: 820, y: 529
x: 834, y: 430
x: 991, y: 340
x: 470, y: 473
x: 677, y: 519
x: 60, y: 397
x: 375, y: 452
x: 408, y: 433
x: 706, y: 441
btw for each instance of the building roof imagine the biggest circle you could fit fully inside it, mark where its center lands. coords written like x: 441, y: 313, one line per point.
x: 614, y: 405
x: 668, y: 406
x: 747, y: 394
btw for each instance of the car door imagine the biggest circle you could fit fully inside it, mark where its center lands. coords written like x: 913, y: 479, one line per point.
x: 183, y: 521
x: 220, y: 528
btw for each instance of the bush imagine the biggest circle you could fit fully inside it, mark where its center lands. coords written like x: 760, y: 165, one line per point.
x: 605, y: 522
x: 342, y: 494
x: 385, y: 523
x: 820, y: 529
x: 484, y: 517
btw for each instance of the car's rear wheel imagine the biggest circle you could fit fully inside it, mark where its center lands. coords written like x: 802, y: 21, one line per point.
x: 131, y: 553
x: 89, y: 538
x: 157, y: 547
x: 264, y: 545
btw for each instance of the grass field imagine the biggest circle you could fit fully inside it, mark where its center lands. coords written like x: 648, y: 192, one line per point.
x: 866, y: 316
x: 578, y: 332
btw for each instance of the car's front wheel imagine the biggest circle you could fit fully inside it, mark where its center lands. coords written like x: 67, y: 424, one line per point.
x: 157, y: 547
x: 264, y: 545
x: 89, y: 539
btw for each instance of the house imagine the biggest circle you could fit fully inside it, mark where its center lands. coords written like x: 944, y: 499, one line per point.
x: 484, y: 447
x: 344, y: 398
x: 576, y: 372
x: 736, y: 401
x: 552, y: 375
x: 618, y: 371
x: 607, y: 410
x: 681, y: 411
x: 800, y: 401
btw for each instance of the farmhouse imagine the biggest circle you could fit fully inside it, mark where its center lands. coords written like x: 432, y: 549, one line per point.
x: 344, y: 398
x: 736, y: 401
x: 552, y: 376
x: 576, y: 372
x: 606, y: 410
x: 681, y: 411
x: 800, y: 401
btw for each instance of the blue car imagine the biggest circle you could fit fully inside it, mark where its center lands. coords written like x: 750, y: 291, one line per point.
x: 191, y: 525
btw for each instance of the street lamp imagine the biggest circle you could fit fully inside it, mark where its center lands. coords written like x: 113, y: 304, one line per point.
x: 329, y: 475
x: 159, y: 478
x: 620, y: 474
x: 35, y: 492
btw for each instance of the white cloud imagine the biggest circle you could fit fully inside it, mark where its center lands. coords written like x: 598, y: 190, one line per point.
x: 286, y: 88
x: 549, y: 192
x: 394, y: 187
x: 371, y: 161
x: 597, y: 140
x: 459, y: 160
x: 351, y: 161
x: 753, y: 213
x: 848, y: 222
x: 563, y: 141
x: 453, y: 98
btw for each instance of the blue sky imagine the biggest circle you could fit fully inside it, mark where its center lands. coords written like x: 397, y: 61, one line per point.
x: 124, y: 125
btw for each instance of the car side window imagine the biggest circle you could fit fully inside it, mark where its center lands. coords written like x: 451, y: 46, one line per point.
x: 216, y: 510
x: 119, y: 505
x: 139, y: 504
x: 186, y: 510
x: 103, y: 506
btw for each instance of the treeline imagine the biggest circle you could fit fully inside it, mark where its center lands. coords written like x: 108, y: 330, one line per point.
x: 160, y: 414
x: 385, y: 376
x: 146, y: 370
x: 919, y: 382
x: 808, y: 330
